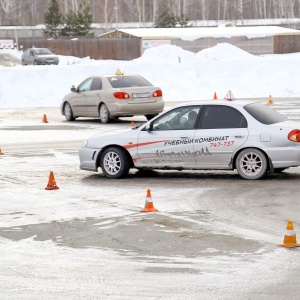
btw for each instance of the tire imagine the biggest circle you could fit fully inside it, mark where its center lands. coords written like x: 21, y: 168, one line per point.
x: 23, y: 63
x: 251, y: 163
x: 279, y: 170
x: 114, y: 163
x: 149, y: 117
x: 35, y: 63
x: 68, y: 112
x: 104, y: 114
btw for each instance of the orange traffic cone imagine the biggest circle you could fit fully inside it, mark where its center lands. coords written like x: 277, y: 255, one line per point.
x: 45, y: 119
x: 215, y: 96
x: 1, y: 153
x: 51, y: 183
x: 289, y: 240
x: 270, y: 100
x: 149, y: 207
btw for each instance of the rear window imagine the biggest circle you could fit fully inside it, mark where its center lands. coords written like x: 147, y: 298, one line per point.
x: 127, y: 81
x: 264, y: 114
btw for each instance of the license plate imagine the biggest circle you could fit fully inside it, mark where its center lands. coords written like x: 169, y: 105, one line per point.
x: 141, y: 95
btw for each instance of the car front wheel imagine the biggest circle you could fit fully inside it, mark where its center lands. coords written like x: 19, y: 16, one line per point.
x: 251, y: 164
x: 68, y: 112
x: 114, y: 163
x: 104, y: 114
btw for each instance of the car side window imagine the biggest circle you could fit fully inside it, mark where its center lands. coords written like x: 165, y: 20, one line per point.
x: 221, y: 116
x: 181, y: 118
x: 96, y: 84
x: 85, y: 86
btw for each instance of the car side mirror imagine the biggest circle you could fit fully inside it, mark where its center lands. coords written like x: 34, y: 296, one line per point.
x: 73, y: 89
x: 149, y: 126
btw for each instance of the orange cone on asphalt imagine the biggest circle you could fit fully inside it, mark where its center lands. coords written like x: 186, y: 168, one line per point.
x: 289, y: 240
x: 45, y: 119
x: 51, y: 183
x: 270, y: 100
x: 215, y: 96
x: 149, y: 207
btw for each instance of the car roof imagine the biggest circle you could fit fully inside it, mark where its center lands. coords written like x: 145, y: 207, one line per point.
x: 233, y: 103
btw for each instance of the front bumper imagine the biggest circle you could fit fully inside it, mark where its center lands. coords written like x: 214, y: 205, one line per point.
x: 88, y: 159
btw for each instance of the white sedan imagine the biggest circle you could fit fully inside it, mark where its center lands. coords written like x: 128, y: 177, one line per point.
x: 206, y: 135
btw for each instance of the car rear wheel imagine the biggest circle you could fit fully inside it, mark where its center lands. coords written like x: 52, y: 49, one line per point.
x: 23, y: 62
x: 104, y: 114
x: 68, y: 112
x: 35, y: 63
x: 114, y: 163
x: 251, y: 164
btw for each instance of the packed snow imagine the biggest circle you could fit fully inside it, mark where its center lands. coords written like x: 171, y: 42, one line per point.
x: 181, y: 74
x: 41, y: 264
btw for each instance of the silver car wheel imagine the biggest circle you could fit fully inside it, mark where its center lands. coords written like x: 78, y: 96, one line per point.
x: 68, y: 112
x: 115, y: 163
x: 112, y: 163
x: 104, y: 114
x: 251, y: 164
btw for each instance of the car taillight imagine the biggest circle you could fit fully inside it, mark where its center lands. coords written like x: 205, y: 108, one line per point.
x: 157, y: 93
x: 294, y: 135
x: 121, y: 95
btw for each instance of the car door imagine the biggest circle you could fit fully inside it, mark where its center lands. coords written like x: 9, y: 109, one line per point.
x: 93, y: 97
x: 30, y: 58
x: 79, y: 98
x: 221, y: 131
x: 169, y: 140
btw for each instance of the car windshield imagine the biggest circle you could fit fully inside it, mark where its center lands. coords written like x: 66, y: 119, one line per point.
x: 43, y: 51
x: 127, y: 81
x: 264, y: 114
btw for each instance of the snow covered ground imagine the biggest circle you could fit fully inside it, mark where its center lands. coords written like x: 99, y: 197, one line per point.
x: 181, y: 74
x: 50, y: 240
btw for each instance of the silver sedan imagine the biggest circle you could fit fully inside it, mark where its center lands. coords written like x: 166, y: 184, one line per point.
x: 213, y: 135
x: 112, y: 96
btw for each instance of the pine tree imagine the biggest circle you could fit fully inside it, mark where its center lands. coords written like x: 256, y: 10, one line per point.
x: 53, y: 20
x: 166, y: 20
x: 84, y: 19
x: 78, y: 23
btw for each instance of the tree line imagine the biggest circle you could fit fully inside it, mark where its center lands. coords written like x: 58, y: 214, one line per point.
x: 32, y: 12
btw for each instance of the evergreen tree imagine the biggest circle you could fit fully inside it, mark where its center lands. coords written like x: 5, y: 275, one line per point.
x: 84, y: 19
x: 53, y: 20
x: 78, y: 24
x: 166, y: 20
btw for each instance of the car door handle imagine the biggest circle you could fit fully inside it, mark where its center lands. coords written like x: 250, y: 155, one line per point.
x: 239, y: 136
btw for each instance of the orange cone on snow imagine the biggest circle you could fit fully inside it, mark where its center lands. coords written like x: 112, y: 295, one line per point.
x: 149, y: 207
x: 1, y: 153
x: 45, y: 119
x: 51, y: 183
x: 215, y: 96
x: 270, y: 100
x: 132, y: 124
x: 289, y: 240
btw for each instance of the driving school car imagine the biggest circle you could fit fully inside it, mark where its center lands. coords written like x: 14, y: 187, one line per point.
x: 220, y: 135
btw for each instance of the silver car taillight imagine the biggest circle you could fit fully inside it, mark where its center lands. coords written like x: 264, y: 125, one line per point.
x: 294, y: 135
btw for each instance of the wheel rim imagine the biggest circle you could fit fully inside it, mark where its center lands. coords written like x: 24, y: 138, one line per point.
x: 112, y: 163
x: 103, y: 114
x: 251, y: 164
x: 68, y: 112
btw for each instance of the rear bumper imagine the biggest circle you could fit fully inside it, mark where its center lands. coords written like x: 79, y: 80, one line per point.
x: 284, y: 157
x: 147, y: 108
x: 88, y: 159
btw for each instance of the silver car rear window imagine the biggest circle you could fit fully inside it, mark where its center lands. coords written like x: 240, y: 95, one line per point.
x: 127, y: 81
x: 264, y: 114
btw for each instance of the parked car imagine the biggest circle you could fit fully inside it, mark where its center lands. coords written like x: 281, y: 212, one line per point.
x: 247, y: 136
x: 39, y: 56
x: 112, y: 96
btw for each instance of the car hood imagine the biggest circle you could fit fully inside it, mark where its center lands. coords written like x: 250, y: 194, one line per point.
x: 119, y: 137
